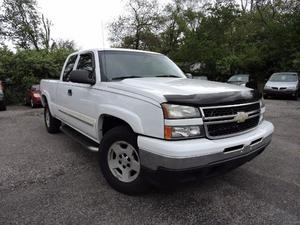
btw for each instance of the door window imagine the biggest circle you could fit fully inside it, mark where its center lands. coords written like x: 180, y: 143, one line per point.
x: 86, y: 62
x: 69, y: 68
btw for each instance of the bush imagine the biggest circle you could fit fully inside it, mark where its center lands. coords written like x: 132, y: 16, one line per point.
x: 28, y: 67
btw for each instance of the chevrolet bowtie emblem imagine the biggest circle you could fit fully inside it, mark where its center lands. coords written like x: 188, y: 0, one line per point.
x: 241, y: 117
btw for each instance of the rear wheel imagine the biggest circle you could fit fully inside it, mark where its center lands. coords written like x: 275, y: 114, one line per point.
x: 120, y: 162
x: 52, y: 124
x: 2, y: 106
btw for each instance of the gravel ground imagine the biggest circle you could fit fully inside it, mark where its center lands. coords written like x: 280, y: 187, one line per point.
x: 50, y: 179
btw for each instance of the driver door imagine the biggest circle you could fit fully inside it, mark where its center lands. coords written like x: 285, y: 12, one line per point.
x: 82, y: 108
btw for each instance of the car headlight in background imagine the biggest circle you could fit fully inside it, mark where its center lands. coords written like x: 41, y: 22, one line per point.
x: 183, y: 132
x: 36, y: 95
x: 292, y: 88
x: 172, y: 111
x: 267, y: 87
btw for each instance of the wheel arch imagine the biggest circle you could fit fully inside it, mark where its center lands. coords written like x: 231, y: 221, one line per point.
x: 109, y: 120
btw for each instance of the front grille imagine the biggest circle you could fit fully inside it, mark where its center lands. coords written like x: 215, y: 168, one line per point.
x: 223, y: 121
x: 231, y: 128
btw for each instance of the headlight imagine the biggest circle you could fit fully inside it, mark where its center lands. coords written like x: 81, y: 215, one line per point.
x: 267, y: 87
x: 183, y: 132
x: 180, y: 112
x: 293, y: 88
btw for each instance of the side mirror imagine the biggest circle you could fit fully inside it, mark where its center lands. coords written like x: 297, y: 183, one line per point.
x: 188, y: 75
x: 82, y: 76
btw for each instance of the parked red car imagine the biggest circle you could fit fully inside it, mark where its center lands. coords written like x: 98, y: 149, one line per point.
x: 33, y: 96
x: 2, y: 97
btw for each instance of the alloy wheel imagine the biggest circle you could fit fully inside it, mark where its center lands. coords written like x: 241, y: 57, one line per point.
x: 123, y: 161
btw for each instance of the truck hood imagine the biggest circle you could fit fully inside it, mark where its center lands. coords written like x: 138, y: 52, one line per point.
x: 186, y: 91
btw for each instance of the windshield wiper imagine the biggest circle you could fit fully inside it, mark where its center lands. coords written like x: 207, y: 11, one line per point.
x: 124, y: 77
x: 167, y: 75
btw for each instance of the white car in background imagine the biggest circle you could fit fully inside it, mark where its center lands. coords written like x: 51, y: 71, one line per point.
x: 282, y: 84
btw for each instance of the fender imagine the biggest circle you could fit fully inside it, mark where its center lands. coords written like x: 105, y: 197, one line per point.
x: 45, y: 94
x: 128, y: 116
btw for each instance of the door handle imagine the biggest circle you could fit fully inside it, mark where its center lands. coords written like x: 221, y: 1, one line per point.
x: 70, y: 92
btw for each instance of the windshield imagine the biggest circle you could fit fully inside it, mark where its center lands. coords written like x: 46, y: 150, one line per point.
x: 284, y: 77
x: 239, y: 78
x: 117, y: 65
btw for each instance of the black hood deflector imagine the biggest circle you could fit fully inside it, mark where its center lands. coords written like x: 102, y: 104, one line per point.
x: 215, y: 99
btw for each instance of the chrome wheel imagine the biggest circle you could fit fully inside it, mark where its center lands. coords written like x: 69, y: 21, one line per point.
x: 123, y: 161
x: 47, y: 117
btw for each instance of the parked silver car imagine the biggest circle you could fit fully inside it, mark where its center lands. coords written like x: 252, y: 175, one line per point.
x: 239, y: 79
x: 282, y: 84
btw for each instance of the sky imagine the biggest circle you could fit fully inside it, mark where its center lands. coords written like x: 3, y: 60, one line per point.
x: 84, y: 21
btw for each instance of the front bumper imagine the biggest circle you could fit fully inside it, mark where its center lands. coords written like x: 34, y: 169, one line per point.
x: 37, y: 101
x: 156, y: 154
x: 274, y: 92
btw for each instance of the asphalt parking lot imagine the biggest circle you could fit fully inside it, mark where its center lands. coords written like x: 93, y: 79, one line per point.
x: 50, y: 179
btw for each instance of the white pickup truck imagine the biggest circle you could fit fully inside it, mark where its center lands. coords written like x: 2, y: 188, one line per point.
x: 151, y: 123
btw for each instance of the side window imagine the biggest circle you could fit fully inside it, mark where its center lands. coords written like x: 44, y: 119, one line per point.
x: 86, y: 62
x: 69, y: 67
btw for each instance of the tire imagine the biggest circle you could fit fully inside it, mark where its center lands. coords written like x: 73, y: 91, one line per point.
x: 120, y: 163
x: 2, y: 106
x: 52, y: 124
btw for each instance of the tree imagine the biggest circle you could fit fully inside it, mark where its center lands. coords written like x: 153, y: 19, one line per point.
x: 23, y: 25
x: 137, y: 28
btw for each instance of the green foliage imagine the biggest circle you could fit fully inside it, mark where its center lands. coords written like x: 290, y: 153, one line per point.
x: 256, y: 37
x: 21, y: 23
x: 28, y: 67
x: 37, y: 56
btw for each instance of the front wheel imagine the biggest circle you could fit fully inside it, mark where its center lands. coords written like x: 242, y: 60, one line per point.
x: 120, y: 162
x: 52, y: 124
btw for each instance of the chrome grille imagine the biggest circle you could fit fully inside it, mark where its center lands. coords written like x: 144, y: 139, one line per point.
x: 222, y: 121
